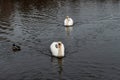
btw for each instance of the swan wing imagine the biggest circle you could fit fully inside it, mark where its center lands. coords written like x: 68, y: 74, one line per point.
x: 54, y: 49
x: 63, y: 49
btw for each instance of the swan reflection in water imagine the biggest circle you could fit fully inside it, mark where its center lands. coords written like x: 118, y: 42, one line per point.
x: 58, y: 65
x: 68, y: 30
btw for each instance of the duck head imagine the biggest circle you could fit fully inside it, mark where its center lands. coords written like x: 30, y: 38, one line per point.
x: 16, y: 47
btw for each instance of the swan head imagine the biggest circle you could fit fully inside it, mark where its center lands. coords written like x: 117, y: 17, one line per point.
x: 59, y: 44
x: 67, y: 17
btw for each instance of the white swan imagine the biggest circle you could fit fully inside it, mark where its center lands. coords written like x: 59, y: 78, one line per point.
x: 68, y: 21
x: 57, y: 49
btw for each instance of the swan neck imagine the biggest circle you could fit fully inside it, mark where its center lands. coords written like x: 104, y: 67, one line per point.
x: 60, y: 51
x: 67, y: 21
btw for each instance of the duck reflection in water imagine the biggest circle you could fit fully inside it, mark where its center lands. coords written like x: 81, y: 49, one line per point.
x: 58, y: 64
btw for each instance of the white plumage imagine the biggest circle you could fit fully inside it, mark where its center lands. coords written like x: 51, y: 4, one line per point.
x: 68, y: 21
x: 57, y: 49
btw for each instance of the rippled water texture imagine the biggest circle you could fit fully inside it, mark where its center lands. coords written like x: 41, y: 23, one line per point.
x: 92, y: 44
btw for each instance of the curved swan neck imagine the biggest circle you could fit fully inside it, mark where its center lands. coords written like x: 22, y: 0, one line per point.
x: 67, y: 20
x: 59, y: 50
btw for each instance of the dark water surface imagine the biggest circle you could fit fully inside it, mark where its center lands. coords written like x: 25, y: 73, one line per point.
x: 92, y: 44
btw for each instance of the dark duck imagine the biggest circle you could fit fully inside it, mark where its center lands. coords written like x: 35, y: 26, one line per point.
x: 16, y: 47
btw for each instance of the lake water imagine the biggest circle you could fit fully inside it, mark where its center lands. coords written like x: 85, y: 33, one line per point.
x: 92, y: 44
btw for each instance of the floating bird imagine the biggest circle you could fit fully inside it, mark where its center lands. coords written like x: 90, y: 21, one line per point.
x: 68, y: 21
x: 57, y: 49
x: 16, y: 47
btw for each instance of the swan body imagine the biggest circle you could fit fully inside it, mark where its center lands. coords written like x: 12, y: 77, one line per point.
x: 57, y: 49
x: 68, y: 21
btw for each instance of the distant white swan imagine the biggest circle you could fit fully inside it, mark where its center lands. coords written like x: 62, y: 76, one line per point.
x: 68, y: 21
x: 57, y: 49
